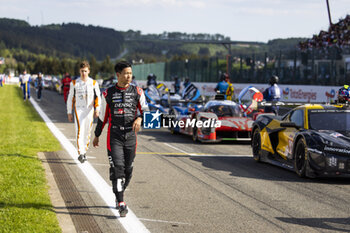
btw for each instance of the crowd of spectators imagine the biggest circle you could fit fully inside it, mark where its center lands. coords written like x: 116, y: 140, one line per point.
x: 338, y: 35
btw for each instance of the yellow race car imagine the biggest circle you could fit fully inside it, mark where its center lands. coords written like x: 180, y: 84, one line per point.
x: 311, y: 139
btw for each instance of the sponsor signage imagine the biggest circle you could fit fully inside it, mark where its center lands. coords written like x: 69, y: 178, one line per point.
x: 290, y: 93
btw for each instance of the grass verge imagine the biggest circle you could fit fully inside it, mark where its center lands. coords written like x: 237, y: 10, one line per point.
x: 25, y: 205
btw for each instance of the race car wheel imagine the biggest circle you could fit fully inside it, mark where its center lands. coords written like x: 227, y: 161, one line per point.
x: 256, y: 145
x: 172, y: 129
x: 195, y: 134
x: 301, y: 158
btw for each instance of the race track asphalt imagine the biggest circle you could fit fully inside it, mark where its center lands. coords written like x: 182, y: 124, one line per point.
x: 182, y: 186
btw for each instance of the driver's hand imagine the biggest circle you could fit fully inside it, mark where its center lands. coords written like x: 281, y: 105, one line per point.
x: 95, y: 142
x: 137, y: 125
x: 70, y: 117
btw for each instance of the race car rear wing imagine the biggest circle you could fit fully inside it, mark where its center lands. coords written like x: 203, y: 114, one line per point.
x: 284, y: 107
x: 200, y: 101
x: 291, y: 104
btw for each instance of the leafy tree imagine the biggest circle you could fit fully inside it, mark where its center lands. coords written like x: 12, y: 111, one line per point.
x: 66, y: 66
x: 20, y: 67
x: 107, y: 66
x: 55, y: 66
x: 77, y: 68
x: 204, y: 51
x: 94, y: 66
x: 64, y: 40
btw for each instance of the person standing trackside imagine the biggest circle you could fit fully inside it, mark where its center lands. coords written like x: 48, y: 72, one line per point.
x: 65, y: 86
x: 84, y: 99
x: 25, y: 84
x: 273, y: 93
x: 39, y: 85
x: 230, y: 91
x: 222, y: 85
x: 119, y: 106
x: 133, y: 82
x: 151, y: 80
x: 177, y: 85
x: 2, y: 79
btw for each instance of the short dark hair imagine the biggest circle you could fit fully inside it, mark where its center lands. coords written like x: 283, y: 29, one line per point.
x: 120, y: 66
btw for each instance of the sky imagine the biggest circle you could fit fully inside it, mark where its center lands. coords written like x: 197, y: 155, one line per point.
x: 241, y: 20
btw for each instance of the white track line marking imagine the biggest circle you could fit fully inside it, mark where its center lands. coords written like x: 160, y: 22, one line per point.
x: 130, y: 223
x: 178, y: 149
x: 191, y: 155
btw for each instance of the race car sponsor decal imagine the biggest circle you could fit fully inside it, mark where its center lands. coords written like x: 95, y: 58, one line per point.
x: 336, y: 134
x: 289, y: 148
x: 335, y: 149
x: 328, y: 110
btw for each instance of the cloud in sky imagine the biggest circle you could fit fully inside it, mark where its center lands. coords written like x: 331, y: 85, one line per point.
x: 249, y: 20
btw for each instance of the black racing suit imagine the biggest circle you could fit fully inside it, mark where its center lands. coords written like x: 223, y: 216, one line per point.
x: 119, y: 107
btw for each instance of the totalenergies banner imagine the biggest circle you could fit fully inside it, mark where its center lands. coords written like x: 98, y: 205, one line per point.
x: 290, y: 93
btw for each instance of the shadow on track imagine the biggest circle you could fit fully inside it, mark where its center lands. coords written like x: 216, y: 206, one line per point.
x: 163, y: 135
x: 243, y: 166
x: 333, y: 224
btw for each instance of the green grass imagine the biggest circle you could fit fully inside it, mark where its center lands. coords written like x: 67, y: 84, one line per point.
x: 25, y: 205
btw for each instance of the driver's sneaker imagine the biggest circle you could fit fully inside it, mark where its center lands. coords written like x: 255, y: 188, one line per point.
x: 82, y: 158
x: 122, y: 208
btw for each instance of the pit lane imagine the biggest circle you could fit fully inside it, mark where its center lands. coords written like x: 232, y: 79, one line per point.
x: 181, y: 186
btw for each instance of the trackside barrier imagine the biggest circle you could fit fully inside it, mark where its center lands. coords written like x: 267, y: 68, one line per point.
x: 290, y: 93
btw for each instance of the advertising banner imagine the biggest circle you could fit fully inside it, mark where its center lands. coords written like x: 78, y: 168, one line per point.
x: 290, y: 93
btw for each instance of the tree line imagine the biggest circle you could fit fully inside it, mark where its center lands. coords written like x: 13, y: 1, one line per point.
x: 66, y: 40
x: 56, y: 49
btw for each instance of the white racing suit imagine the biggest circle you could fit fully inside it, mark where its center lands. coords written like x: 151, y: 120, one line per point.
x: 84, y: 98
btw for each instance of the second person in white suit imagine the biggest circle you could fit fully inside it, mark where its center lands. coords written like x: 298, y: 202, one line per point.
x: 84, y: 100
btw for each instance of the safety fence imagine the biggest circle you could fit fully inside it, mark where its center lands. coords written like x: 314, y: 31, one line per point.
x: 329, y: 66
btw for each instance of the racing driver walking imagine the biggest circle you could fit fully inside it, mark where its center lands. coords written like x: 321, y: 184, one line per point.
x: 119, y: 107
x: 84, y: 99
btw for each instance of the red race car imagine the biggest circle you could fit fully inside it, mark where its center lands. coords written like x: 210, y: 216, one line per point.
x: 217, y: 120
